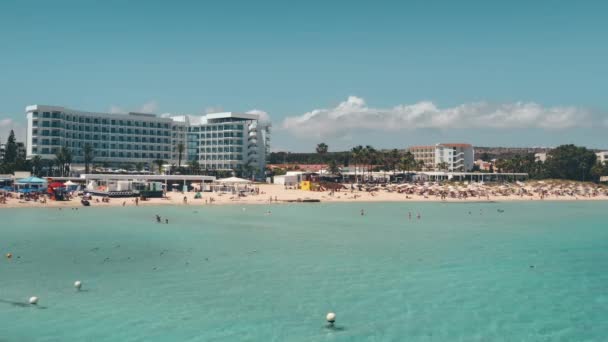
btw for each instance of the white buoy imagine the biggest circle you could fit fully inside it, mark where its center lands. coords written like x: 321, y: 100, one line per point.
x: 77, y: 284
x: 34, y: 300
x: 331, y: 318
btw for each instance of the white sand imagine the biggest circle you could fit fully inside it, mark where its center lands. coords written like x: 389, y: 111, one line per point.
x: 281, y: 195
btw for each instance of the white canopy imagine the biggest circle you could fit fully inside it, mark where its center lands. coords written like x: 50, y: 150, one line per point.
x: 234, y: 180
x: 68, y: 183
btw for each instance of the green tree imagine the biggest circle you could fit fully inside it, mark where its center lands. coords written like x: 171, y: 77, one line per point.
x: 407, y: 162
x: 180, y: 151
x: 88, y: 157
x: 139, y: 166
x: 322, y: 148
x: 443, y: 166
x: 36, y: 165
x: 392, y: 159
x: 63, y: 160
x: 356, y: 155
x: 10, y: 152
x: 371, y: 157
x: 598, y: 170
x: 333, y: 168
x: 159, y: 163
x: 195, y: 167
x: 570, y: 162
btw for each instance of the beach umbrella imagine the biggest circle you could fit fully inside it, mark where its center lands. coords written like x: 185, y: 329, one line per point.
x: 56, y: 185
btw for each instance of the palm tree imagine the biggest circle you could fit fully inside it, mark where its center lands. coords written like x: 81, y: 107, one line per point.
x: 371, y: 156
x: 419, y: 165
x: 407, y: 161
x: 36, y: 165
x: 139, y: 166
x: 180, y: 151
x: 88, y: 157
x: 443, y: 166
x: 393, y: 159
x: 333, y: 168
x: 322, y: 148
x: 195, y: 167
x: 63, y: 159
x: 356, y: 153
x: 159, y: 163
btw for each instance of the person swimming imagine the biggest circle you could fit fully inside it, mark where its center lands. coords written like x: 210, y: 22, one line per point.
x: 362, y: 212
x: 158, y: 219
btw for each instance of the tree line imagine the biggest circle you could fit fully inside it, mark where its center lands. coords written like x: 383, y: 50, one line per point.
x: 563, y: 162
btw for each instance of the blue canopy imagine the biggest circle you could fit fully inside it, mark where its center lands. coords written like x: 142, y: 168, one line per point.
x: 31, y: 180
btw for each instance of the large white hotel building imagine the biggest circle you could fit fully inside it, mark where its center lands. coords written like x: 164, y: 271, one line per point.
x: 219, y: 141
x: 456, y: 157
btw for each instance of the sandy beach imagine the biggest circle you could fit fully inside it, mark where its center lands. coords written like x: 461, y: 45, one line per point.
x: 276, y: 194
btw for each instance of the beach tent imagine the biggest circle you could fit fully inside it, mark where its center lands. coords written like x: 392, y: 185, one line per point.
x: 31, y: 180
x: 234, y: 180
x: 56, y: 185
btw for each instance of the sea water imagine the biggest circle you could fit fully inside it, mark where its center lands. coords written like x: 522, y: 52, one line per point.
x: 520, y: 271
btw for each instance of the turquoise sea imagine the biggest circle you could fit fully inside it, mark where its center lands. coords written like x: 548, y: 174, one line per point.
x: 536, y: 272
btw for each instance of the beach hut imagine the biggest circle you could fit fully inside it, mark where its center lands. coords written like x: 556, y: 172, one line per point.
x: 31, y: 183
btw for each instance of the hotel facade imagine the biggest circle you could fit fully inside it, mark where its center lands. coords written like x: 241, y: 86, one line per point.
x: 457, y: 157
x: 219, y: 141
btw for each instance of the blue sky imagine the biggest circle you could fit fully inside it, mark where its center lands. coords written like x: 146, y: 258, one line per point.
x: 385, y: 73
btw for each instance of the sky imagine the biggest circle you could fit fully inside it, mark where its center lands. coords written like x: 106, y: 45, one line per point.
x: 385, y: 73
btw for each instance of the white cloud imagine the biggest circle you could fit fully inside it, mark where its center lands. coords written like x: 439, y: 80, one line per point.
x: 262, y: 114
x: 354, y: 114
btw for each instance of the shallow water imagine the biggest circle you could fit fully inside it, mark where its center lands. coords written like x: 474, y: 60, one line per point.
x: 537, y: 272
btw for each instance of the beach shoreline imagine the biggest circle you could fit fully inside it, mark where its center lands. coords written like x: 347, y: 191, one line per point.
x: 278, y: 194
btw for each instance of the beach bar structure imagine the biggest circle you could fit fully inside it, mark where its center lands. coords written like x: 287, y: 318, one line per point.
x: 31, y: 183
x: 169, y: 180
x: 470, y: 176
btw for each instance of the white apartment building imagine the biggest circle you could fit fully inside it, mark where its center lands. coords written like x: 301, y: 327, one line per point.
x: 457, y: 157
x: 602, y: 157
x: 220, y: 141
x: 229, y: 141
